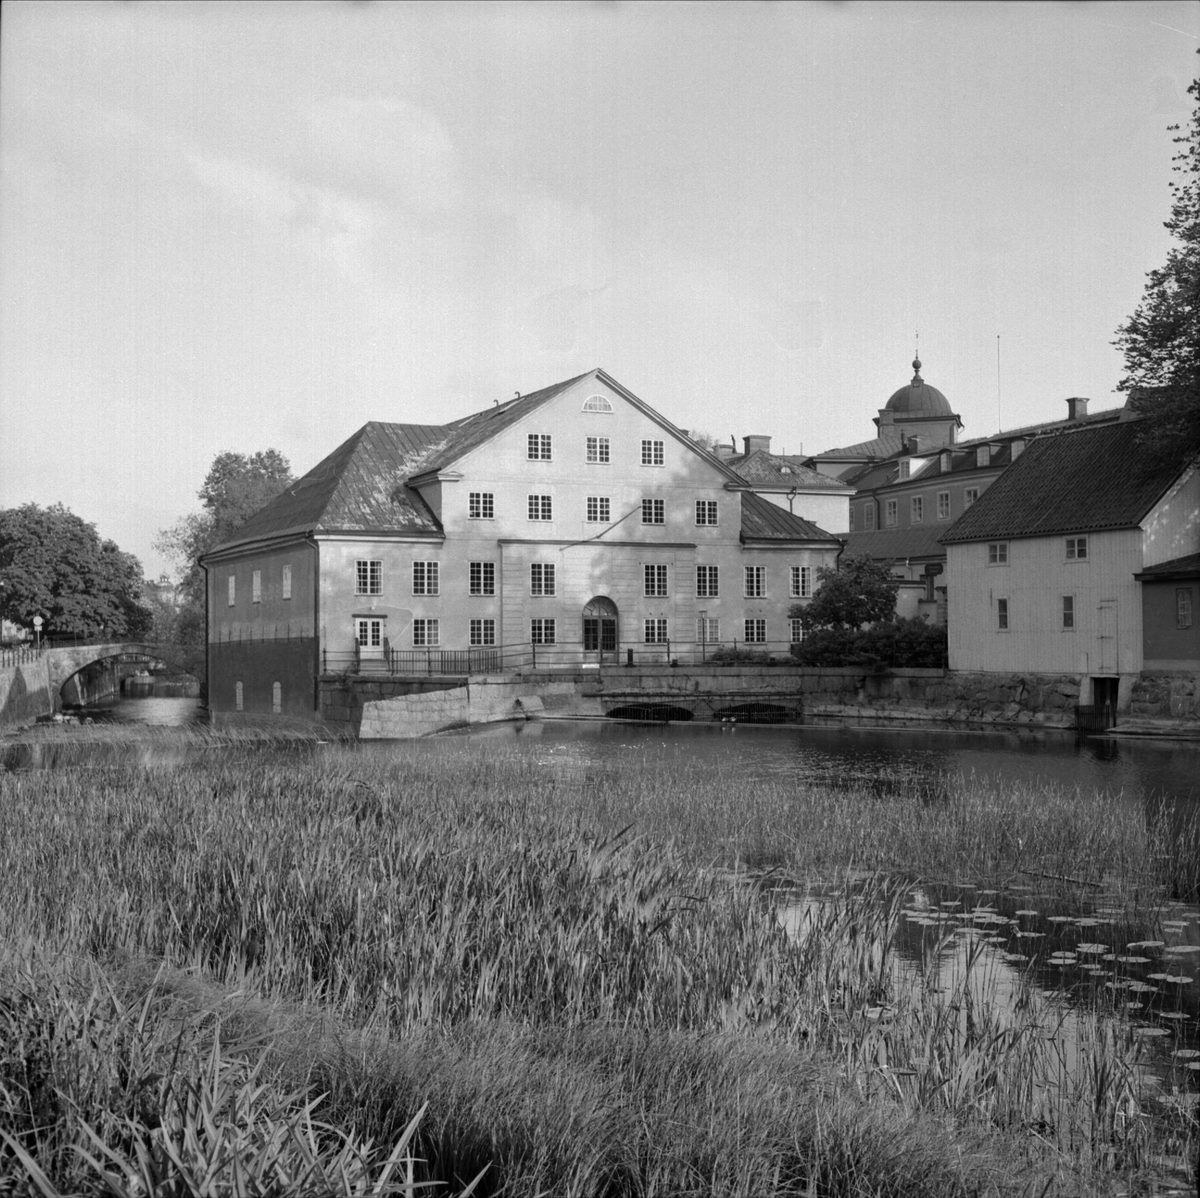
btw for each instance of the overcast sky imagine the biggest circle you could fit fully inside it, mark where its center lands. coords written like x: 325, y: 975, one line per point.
x: 242, y: 226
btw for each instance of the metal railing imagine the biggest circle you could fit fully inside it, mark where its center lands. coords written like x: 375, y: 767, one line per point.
x: 560, y: 655
x: 1095, y: 717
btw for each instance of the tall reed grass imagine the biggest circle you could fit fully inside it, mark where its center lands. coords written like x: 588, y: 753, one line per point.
x: 568, y: 971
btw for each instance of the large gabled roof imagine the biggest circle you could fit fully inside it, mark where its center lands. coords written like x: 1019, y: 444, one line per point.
x: 763, y: 520
x: 766, y: 469
x: 1085, y: 480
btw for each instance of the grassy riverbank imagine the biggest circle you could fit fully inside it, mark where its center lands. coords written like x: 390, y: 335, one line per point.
x: 556, y: 975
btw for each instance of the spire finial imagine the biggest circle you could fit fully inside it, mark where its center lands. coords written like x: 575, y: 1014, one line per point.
x: 917, y: 360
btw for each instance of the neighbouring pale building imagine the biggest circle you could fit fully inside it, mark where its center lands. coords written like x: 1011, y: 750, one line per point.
x: 1057, y: 568
x: 571, y: 524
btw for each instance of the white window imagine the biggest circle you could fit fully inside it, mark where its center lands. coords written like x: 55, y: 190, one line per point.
x: 756, y: 582
x: 481, y: 505
x: 425, y: 578
x: 483, y: 632
x: 797, y: 631
x: 597, y: 403
x: 801, y: 582
x: 541, y: 578
x: 538, y: 447
x: 483, y: 578
x: 998, y: 553
x: 916, y: 510
x: 652, y: 453
x: 905, y: 470
x: 1183, y: 607
x: 287, y: 582
x: 1002, y: 615
x: 232, y: 590
x: 277, y: 697
x: 889, y: 513
x: 868, y: 516
x: 755, y: 632
x: 541, y: 631
x: 708, y: 630
x: 943, y: 505
x: 1077, y: 549
x: 1068, y: 612
x: 656, y: 632
x: 238, y: 695
x: 706, y: 511
x: 970, y: 495
x: 599, y: 510
x: 597, y: 451
x: 256, y: 587
x: 706, y: 582
x: 368, y: 577
x: 655, y: 579
x: 541, y: 507
x: 653, y: 511
x: 426, y: 634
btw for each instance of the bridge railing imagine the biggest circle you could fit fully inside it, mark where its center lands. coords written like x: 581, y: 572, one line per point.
x: 20, y: 655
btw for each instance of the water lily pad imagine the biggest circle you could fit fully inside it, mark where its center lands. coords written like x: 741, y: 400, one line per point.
x: 1178, y: 979
x: 1030, y: 935
x: 1134, y: 1006
x: 1142, y: 988
x: 1186, y: 1054
x: 1145, y: 944
x: 1026, y: 911
x: 1015, y: 958
x: 1062, y: 958
x: 1133, y: 959
x: 1090, y: 949
x: 1181, y: 950
x: 1148, y: 1032
x: 1176, y: 1015
x: 1060, y: 918
x: 1088, y: 923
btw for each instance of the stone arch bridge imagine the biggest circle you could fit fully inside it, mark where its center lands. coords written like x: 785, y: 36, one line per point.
x: 64, y: 661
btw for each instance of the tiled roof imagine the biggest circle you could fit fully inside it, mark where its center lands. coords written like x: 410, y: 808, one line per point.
x: 880, y: 447
x: 1083, y: 480
x: 921, y: 541
x: 1179, y: 567
x: 782, y: 470
x: 763, y: 520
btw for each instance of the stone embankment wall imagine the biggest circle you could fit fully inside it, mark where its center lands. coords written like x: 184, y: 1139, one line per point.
x: 24, y: 693
x: 1166, y: 697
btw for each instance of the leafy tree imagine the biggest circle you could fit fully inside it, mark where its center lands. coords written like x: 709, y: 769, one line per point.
x: 237, y: 485
x: 53, y: 564
x: 1161, y: 340
x: 859, y: 591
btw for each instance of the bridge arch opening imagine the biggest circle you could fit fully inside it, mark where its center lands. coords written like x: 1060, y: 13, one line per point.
x: 651, y: 713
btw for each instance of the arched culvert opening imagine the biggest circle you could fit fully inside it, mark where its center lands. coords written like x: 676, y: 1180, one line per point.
x: 756, y: 713
x: 126, y: 676
x: 652, y: 713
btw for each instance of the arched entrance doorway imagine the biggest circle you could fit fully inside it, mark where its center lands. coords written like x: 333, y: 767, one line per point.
x: 600, y: 629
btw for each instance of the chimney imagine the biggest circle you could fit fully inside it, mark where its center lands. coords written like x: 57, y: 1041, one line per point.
x: 723, y: 451
x: 1077, y: 407
x: 1017, y: 447
x: 983, y: 455
x: 914, y: 445
x: 755, y: 442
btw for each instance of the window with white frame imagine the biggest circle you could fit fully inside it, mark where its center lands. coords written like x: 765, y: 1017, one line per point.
x: 889, y: 513
x: 1001, y: 615
x: 801, y: 582
x: 998, y: 553
x: 970, y: 495
x: 796, y: 627
x: 706, y: 511
x: 654, y: 511
x: 232, y: 590
x: 755, y: 632
x: 541, y: 578
x: 1068, y: 612
x: 541, y: 507
x: 483, y: 632
x: 483, y: 578
x: 256, y: 586
x: 916, y: 510
x: 537, y: 447
x: 425, y: 578
x: 368, y: 577
x: 599, y: 509
x: 655, y: 631
x: 597, y: 403
x: 1183, y: 607
x: 652, y: 453
x: 655, y: 579
x: 756, y: 582
x: 426, y: 634
x: 286, y: 584
x: 707, y: 583
x: 943, y: 505
x: 1077, y: 549
x: 541, y: 630
x: 905, y: 469
x: 708, y: 630
x: 481, y: 505
x: 597, y: 451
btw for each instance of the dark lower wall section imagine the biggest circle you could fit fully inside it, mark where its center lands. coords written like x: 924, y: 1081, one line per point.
x: 259, y: 666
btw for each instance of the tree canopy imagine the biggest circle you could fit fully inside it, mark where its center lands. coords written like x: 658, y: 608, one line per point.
x: 53, y: 564
x: 1161, y: 340
x: 859, y: 591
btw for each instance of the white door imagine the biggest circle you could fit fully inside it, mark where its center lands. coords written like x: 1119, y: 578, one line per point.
x: 370, y: 637
x: 1108, y: 637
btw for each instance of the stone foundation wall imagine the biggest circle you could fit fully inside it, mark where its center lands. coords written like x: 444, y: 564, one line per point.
x: 1174, y: 696
x: 25, y: 693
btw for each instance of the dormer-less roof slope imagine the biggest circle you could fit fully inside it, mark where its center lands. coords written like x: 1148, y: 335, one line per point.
x: 1085, y: 480
x: 877, y: 447
x: 782, y: 470
x: 764, y: 521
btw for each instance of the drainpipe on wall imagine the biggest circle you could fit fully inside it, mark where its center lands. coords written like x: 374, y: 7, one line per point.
x: 316, y: 548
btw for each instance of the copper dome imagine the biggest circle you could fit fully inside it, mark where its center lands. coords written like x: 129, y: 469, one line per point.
x: 919, y: 398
